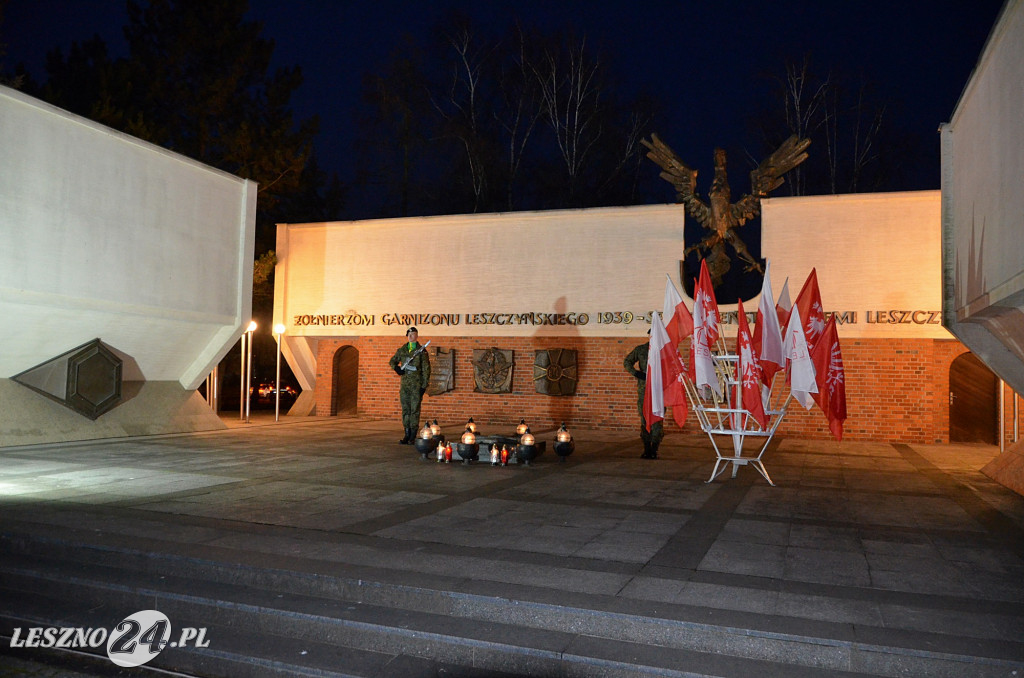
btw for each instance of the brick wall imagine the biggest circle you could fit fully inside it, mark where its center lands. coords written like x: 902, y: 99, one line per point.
x: 897, y: 389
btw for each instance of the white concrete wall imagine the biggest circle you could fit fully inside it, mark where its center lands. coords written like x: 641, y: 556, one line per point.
x: 555, y: 262
x: 107, y: 236
x: 560, y: 261
x: 983, y: 204
x: 874, y: 253
x: 877, y: 255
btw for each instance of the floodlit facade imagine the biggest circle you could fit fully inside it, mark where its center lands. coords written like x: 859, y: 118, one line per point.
x: 536, y: 284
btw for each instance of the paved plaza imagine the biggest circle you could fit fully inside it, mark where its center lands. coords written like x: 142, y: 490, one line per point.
x: 865, y: 559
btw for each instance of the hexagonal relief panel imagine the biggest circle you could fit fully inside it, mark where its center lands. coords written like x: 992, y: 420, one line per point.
x: 94, y: 380
x: 86, y: 379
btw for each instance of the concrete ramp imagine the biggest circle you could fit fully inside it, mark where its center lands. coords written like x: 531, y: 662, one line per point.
x: 149, y: 408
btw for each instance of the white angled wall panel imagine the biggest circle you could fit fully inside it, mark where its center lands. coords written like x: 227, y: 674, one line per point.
x: 107, y: 236
x: 983, y: 204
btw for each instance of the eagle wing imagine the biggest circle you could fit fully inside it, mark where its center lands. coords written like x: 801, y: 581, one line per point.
x: 768, y: 176
x: 682, y: 178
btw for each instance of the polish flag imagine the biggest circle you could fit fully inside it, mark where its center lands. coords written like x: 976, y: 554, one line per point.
x: 706, y: 322
x: 798, y: 361
x: 664, y: 384
x: 782, y: 308
x: 828, y: 360
x: 809, y: 303
x: 678, y: 326
x: 678, y: 321
x: 767, y: 333
x: 748, y: 373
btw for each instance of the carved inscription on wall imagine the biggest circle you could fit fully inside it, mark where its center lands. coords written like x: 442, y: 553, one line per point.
x: 492, y: 370
x: 442, y: 371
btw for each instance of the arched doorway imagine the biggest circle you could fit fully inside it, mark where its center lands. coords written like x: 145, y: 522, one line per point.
x: 345, y: 391
x: 973, y: 401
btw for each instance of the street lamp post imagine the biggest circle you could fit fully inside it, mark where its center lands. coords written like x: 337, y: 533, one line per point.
x: 248, y: 376
x: 278, y: 332
x: 212, y: 389
x: 241, y: 381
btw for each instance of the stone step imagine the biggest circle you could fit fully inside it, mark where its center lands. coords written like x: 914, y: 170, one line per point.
x: 241, y: 648
x: 418, y: 620
x: 235, y: 652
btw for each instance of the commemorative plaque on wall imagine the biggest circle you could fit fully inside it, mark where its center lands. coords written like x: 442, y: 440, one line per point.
x: 442, y: 371
x: 492, y: 370
x: 554, y: 371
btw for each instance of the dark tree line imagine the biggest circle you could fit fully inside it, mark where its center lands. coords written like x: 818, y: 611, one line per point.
x: 6, y: 79
x: 197, y: 80
x: 464, y: 121
x: 856, y: 147
x: 468, y: 122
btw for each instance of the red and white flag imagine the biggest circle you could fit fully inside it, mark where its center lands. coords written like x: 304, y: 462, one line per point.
x: 798, y: 361
x: 809, y: 303
x: 664, y: 384
x: 748, y: 373
x: 678, y: 326
x: 767, y: 337
x: 678, y: 321
x: 784, y: 305
x: 706, y: 322
x: 828, y: 361
x: 813, y: 315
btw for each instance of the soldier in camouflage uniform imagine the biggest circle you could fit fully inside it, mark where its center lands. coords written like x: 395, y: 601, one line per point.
x: 652, y: 438
x: 415, y: 378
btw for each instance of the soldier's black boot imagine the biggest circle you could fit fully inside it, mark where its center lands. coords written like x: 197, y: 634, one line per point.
x: 647, y: 450
x: 408, y: 437
x: 654, y: 450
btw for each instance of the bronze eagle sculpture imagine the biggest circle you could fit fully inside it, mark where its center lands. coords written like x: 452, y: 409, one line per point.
x: 722, y: 217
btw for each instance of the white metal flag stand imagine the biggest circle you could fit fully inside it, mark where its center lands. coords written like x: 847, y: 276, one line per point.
x: 722, y: 416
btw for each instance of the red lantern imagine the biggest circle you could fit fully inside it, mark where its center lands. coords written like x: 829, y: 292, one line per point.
x: 448, y: 453
x: 504, y: 456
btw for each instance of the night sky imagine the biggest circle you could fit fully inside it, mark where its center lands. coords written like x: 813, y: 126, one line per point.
x: 704, y: 59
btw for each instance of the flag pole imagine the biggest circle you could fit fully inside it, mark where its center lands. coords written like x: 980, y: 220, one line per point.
x: 715, y: 397
x: 771, y: 389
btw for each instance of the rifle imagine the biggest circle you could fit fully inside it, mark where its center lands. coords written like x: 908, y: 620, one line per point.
x: 408, y: 360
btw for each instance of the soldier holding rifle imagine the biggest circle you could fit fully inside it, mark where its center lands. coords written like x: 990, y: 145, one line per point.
x: 412, y: 364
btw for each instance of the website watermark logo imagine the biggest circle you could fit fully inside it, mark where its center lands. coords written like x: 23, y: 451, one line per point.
x: 134, y: 641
